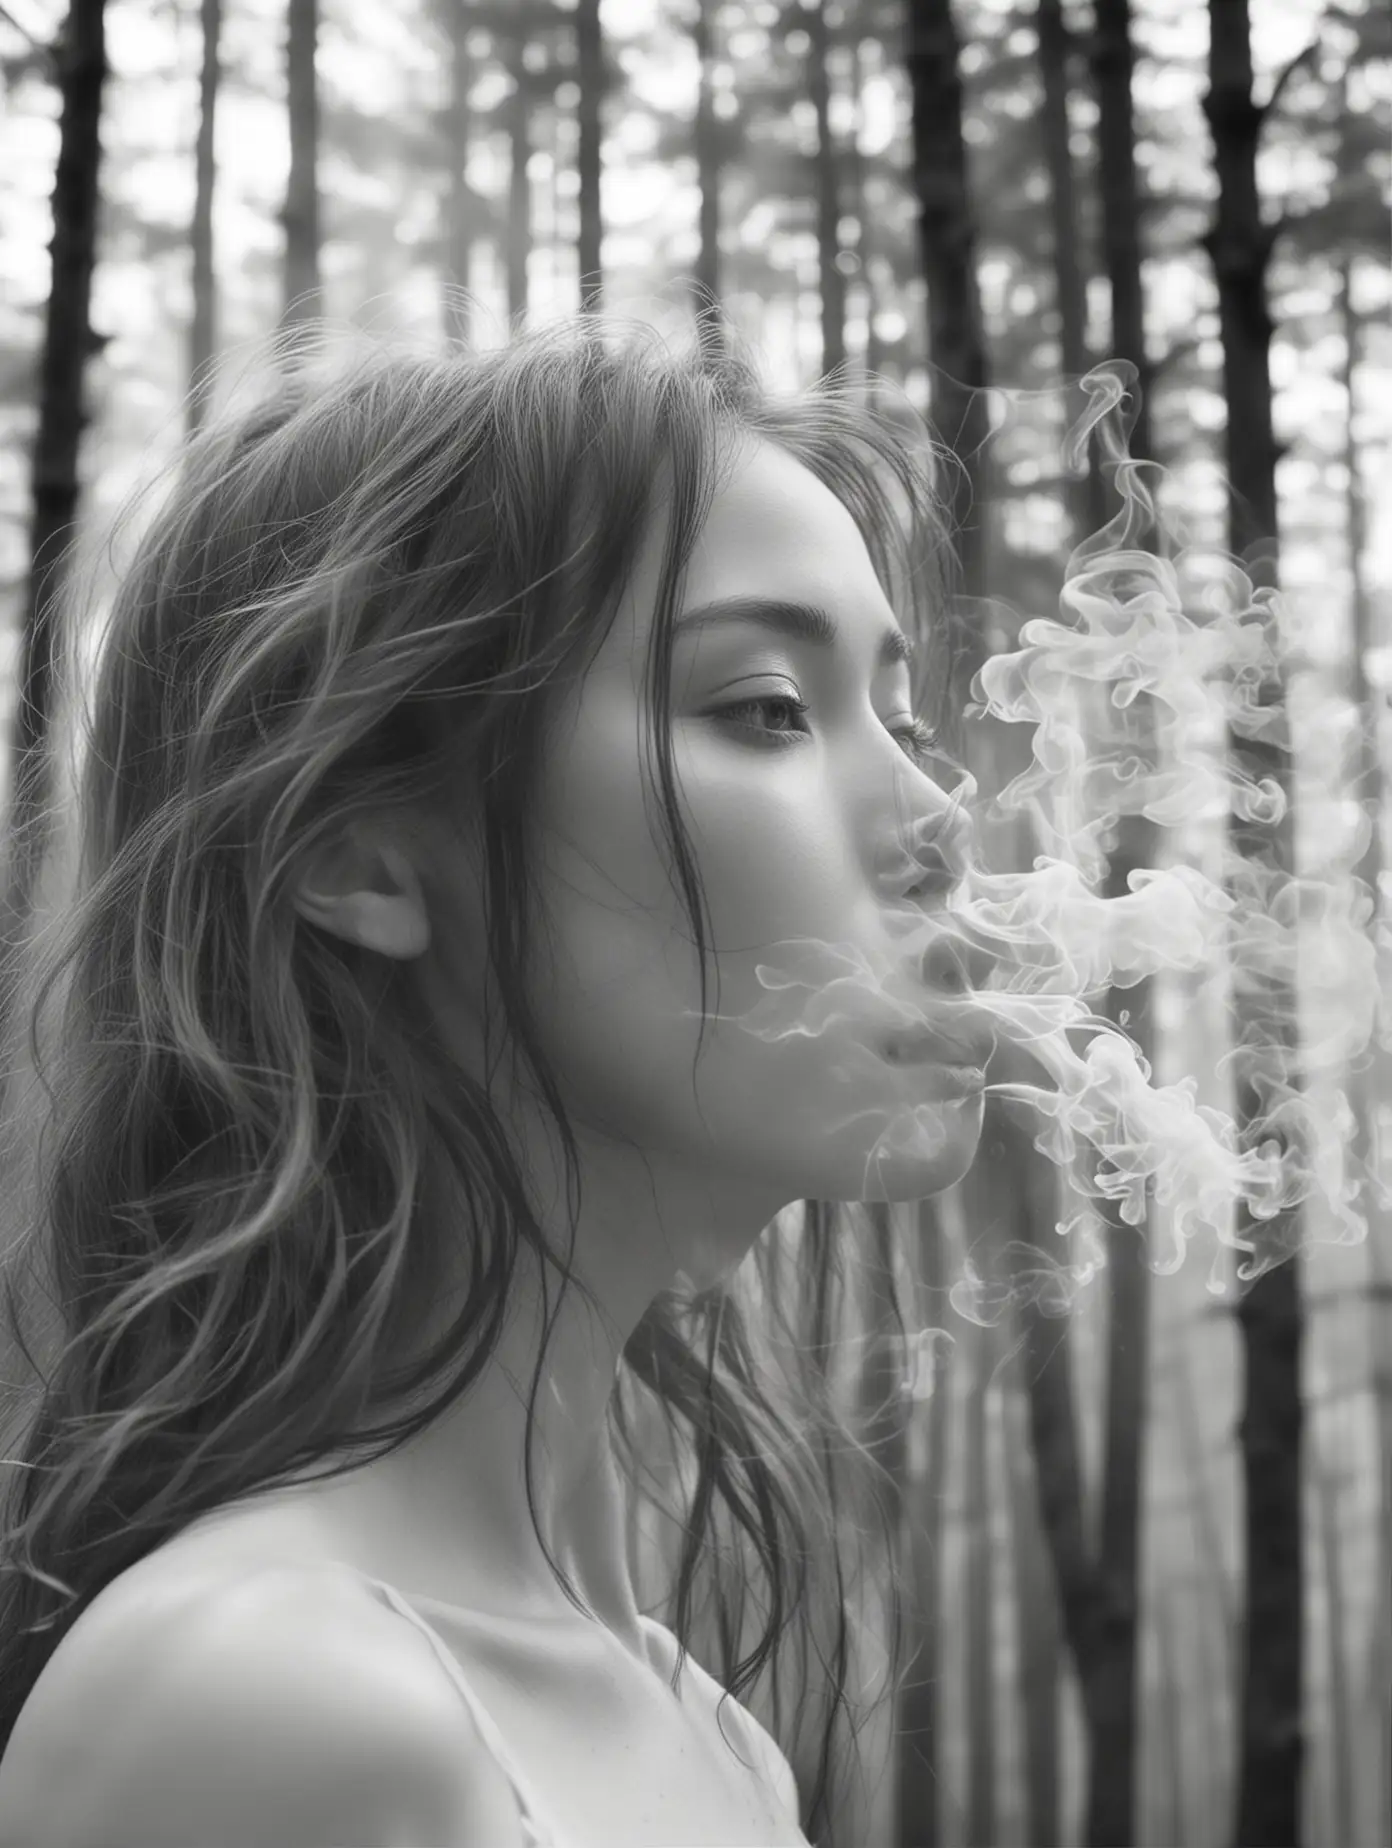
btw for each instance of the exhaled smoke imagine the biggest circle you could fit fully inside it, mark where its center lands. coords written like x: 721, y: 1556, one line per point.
x: 1155, y: 661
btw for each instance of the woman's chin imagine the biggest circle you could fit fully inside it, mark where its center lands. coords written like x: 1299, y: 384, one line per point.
x: 918, y: 1159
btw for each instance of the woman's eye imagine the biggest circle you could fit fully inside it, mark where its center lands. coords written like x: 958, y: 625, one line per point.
x: 915, y: 739
x: 767, y: 701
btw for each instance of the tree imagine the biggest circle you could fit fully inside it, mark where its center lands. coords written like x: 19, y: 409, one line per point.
x: 458, y: 201
x: 831, y: 282
x: 203, y: 326
x: 1085, y: 497
x: 1269, y: 1311
x: 1112, y: 1670
x: 956, y: 344
x: 706, y: 146
x: 301, y: 212
x: 1112, y: 74
x: 79, y: 63
x: 590, y: 74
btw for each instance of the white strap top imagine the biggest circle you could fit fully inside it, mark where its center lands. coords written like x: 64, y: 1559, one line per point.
x: 539, y: 1827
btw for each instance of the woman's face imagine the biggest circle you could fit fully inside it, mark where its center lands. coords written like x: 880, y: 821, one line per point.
x: 804, y: 850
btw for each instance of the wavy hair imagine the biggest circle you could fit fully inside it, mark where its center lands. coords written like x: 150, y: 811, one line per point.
x: 366, y: 592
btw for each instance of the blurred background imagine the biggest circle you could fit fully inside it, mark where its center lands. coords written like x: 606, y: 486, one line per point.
x: 1148, y: 1513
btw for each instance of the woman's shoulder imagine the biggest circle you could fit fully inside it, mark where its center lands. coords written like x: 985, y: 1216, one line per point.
x: 203, y: 1697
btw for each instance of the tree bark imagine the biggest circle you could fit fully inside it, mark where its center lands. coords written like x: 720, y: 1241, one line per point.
x: 918, y: 1729
x: 589, y: 62
x: 832, y: 283
x: 79, y: 58
x: 956, y: 346
x: 457, y: 316
x: 1112, y: 66
x: 865, y: 248
x: 708, y: 176
x: 1269, y: 1312
x: 979, y: 1590
x: 519, y: 207
x: 1328, y: 1482
x: 203, y: 326
x: 1112, y: 1676
x: 1086, y: 497
x: 1037, y: 1632
x: 301, y: 213
x: 1375, y: 1083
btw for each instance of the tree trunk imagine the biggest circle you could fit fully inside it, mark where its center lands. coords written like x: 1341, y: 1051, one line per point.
x: 1121, y: 216
x: 1269, y: 1312
x: 956, y: 348
x: 708, y: 174
x: 457, y: 317
x: 1211, y: 1605
x: 831, y: 281
x: 1112, y: 1677
x: 856, y: 175
x: 79, y: 56
x: 519, y: 206
x: 1327, y: 1485
x: 301, y: 214
x: 918, y: 1731
x: 589, y: 70
x: 203, y: 327
x: 1375, y: 1084
x: 1085, y: 498
x: 1037, y: 1637
x: 979, y: 1591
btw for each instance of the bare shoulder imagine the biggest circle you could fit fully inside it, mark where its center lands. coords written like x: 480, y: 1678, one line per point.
x: 281, y: 1706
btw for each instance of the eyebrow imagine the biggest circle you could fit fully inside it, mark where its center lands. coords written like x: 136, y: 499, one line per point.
x: 808, y: 622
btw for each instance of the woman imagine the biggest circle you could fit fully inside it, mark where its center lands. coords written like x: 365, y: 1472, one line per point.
x: 386, y: 1012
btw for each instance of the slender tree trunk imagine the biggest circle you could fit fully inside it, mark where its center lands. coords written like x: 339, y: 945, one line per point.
x: 1269, y: 1313
x: 879, y: 1387
x: 979, y: 1591
x: 948, y: 247
x: 457, y: 317
x: 1112, y: 1676
x: 1010, y: 1203
x: 589, y: 65
x: 203, y: 327
x: 1168, y: 1708
x: 855, y: 175
x: 708, y: 176
x: 919, y: 1719
x: 1086, y: 498
x: 519, y: 206
x: 1372, y: 1085
x: 79, y: 58
x: 1328, y: 1494
x: 1036, y: 1642
x: 832, y: 283
x: 1212, y: 1606
x: 1045, y: 1362
x: 301, y: 213
x: 1112, y: 65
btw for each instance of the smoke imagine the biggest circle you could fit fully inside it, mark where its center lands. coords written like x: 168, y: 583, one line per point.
x: 1140, y: 694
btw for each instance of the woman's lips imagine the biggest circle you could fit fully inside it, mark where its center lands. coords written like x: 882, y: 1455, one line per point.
x: 943, y: 1078
x: 932, y: 1049
x: 950, y: 1068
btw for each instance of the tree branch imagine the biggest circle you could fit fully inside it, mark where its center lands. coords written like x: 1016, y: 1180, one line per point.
x: 1284, y: 76
x: 23, y: 31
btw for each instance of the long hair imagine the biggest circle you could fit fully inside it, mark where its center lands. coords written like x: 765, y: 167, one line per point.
x: 366, y: 592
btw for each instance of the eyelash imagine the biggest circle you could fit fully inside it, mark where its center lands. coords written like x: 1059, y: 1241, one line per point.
x: 917, y: 738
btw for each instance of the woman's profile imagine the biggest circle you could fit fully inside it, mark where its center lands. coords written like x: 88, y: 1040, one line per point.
x: 466, y: 729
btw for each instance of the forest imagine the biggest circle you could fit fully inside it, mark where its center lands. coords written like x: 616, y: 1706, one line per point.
x: 1134, y: 1429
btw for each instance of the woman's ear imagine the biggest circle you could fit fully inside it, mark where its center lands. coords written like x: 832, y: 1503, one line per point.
x: 367, y: 891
